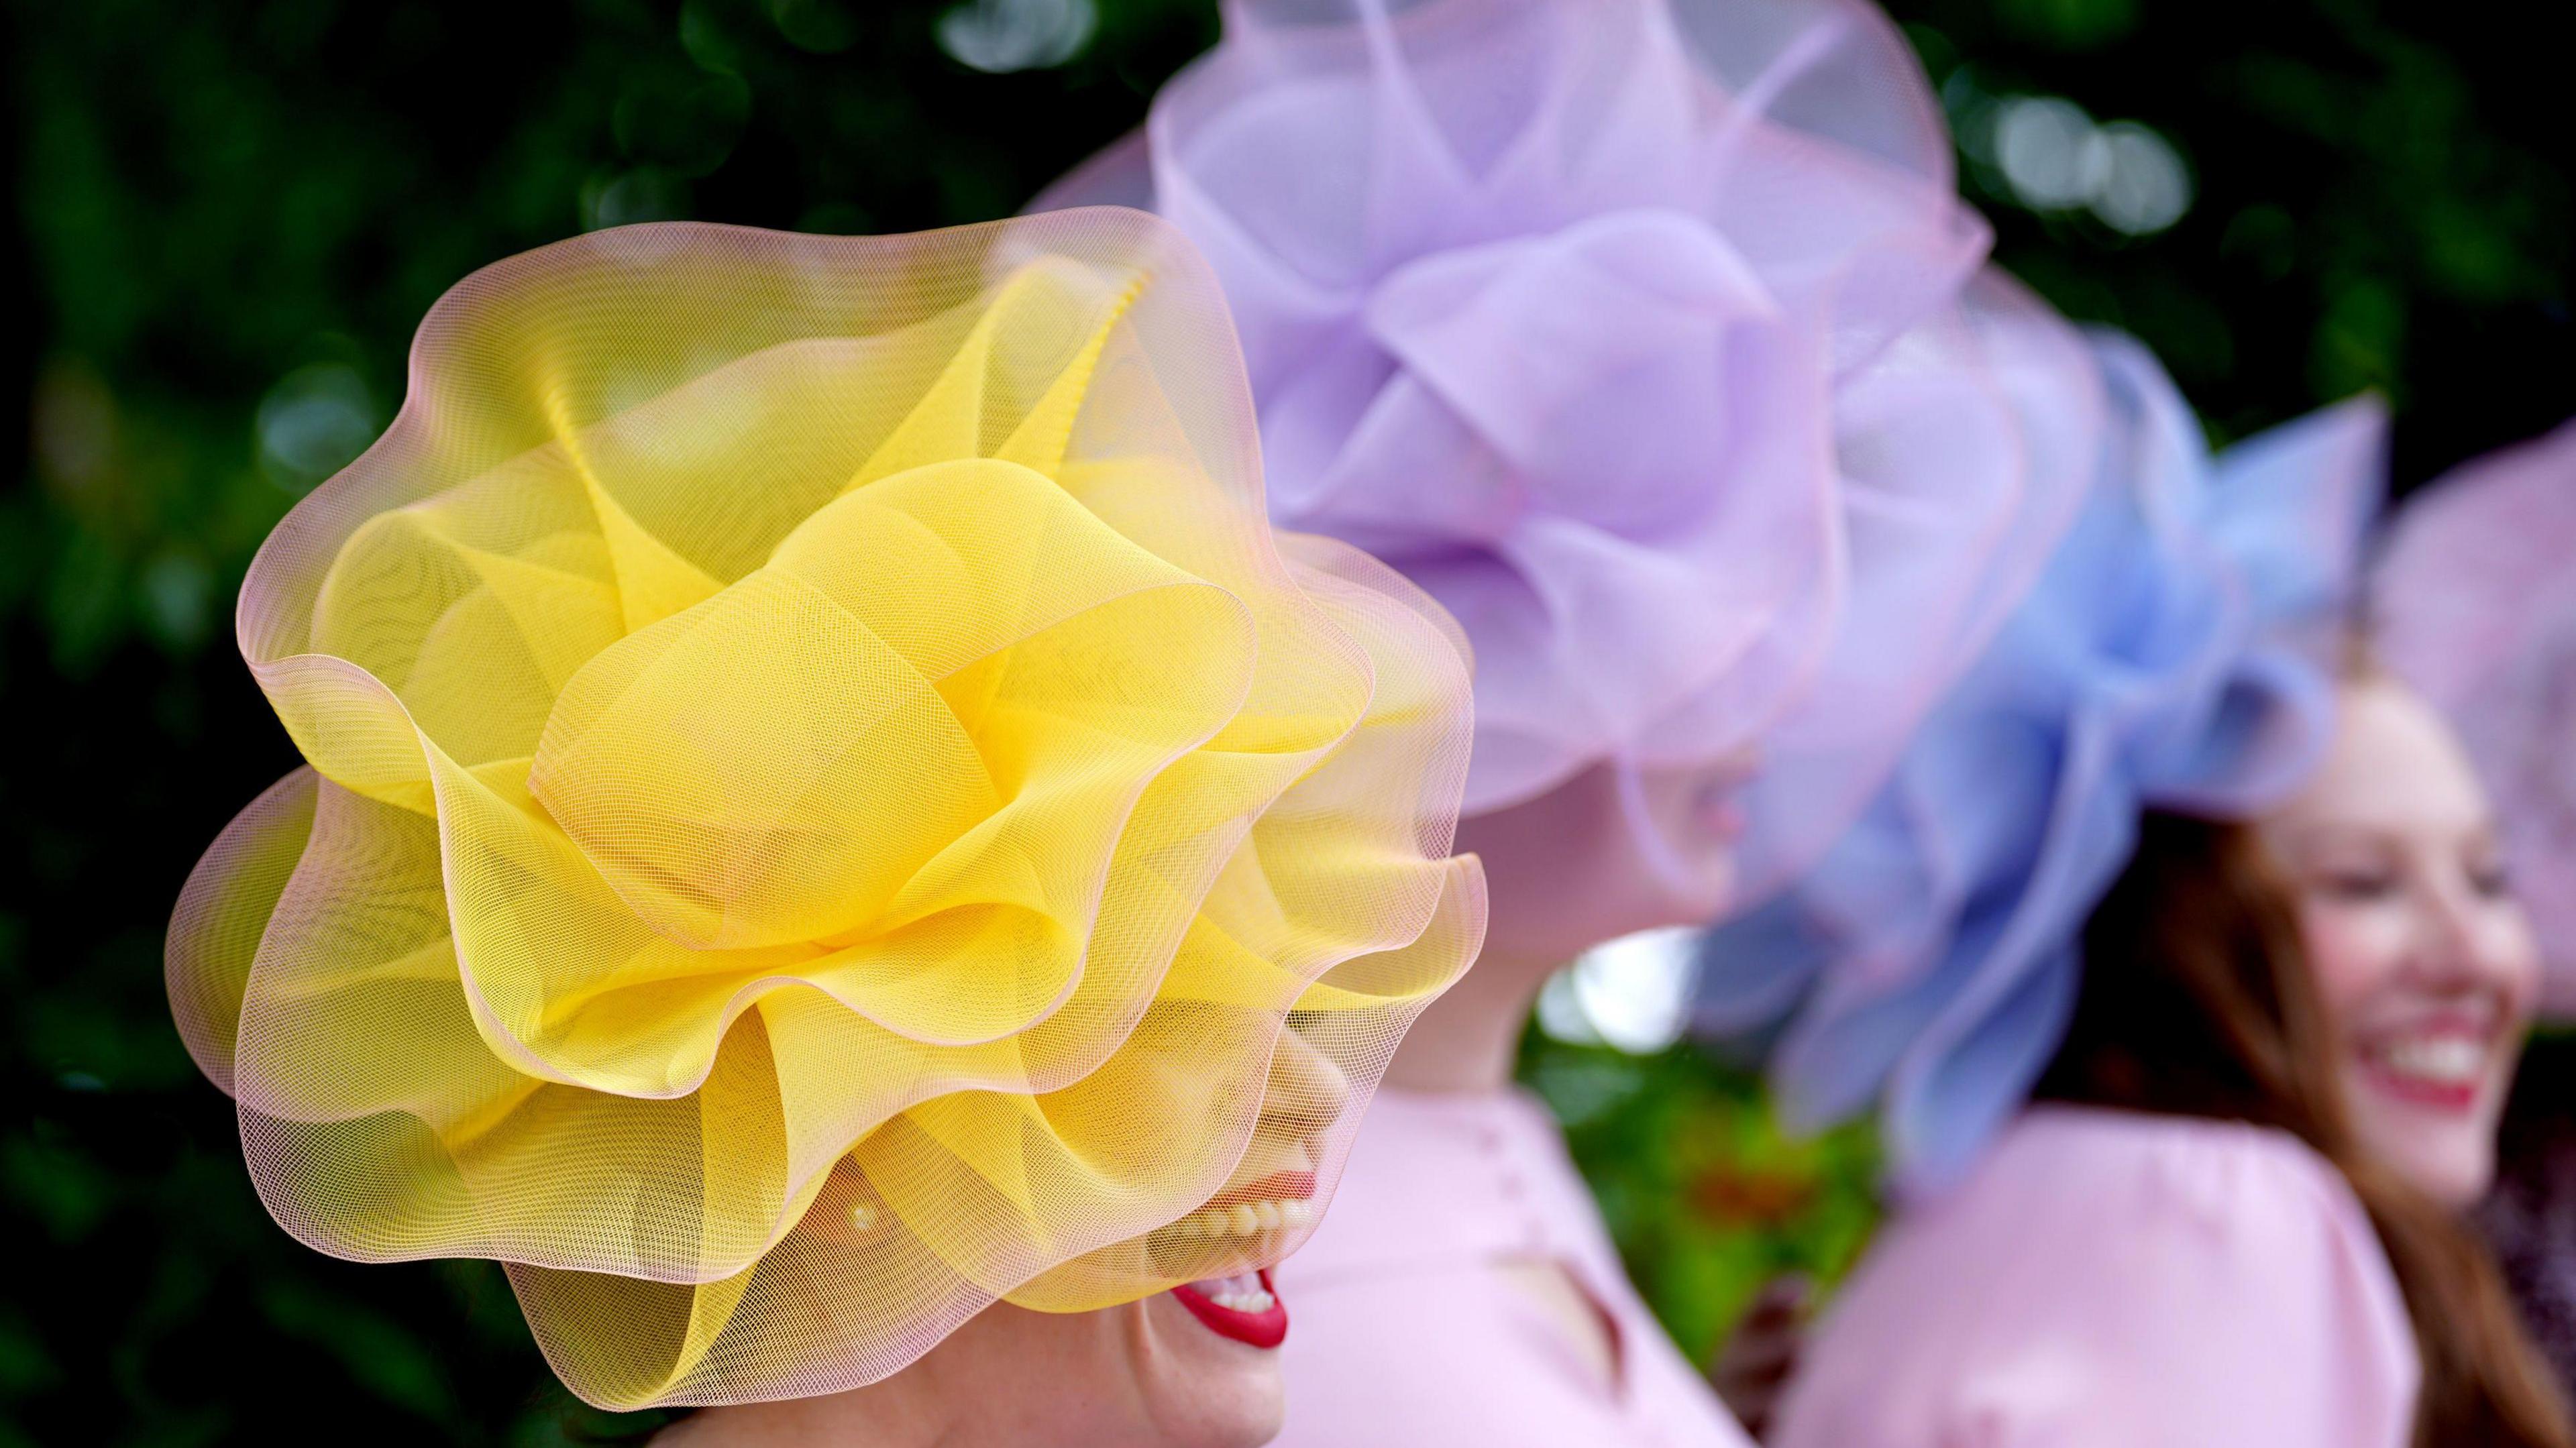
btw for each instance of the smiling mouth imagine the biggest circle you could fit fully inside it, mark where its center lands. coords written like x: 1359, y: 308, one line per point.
x: 1244, y: 1308
x: 2444, y: 1070
x: 1275, y: 1203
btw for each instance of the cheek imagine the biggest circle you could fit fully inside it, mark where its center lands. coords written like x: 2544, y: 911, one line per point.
x: 2351, y: 953
x: 2513, y: 958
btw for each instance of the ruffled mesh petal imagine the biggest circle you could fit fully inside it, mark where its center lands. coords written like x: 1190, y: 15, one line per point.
x: 828, y: 806
x: 2476, y: 606
x: 1649, y: 337
x: 1964, y: 455
x: 1928, y: 963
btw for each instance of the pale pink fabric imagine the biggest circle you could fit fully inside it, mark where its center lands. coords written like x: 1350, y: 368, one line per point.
x: 2116, y: 1280
x: 1402, y: 1334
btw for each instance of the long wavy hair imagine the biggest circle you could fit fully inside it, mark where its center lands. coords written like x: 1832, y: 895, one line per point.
x: 2198, y: 1001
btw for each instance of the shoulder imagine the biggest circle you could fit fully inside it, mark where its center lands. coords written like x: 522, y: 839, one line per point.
x: 2184, y: 1273
x: 2091, y: 1171
x: 2170, y: 1216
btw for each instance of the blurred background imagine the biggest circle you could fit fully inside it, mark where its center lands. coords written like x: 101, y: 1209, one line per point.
x: 228, y: 218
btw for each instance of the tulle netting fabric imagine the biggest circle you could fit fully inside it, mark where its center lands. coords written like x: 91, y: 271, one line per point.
x: 1651, y: 338
x: 2475, y: 603
x: 827, y: 806
x: 2175, y: 655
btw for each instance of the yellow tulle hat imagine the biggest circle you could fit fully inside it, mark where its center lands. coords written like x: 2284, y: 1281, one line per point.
x: 826, y: 806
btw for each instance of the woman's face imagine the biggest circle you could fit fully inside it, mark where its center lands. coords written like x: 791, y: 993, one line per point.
x: 1566, y: 871
x: 2425, y: 964
x: 1194, y: 1367
x: 1203, y: 1358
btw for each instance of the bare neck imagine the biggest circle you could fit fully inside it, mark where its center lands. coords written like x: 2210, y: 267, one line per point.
x: 1468, y: 1039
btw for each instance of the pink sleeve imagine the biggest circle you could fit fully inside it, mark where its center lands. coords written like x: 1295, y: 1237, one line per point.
x: 2111, y: 1281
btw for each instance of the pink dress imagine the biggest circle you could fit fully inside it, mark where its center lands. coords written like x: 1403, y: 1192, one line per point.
x: 1401, y: 1332
x: 2110, y: 1279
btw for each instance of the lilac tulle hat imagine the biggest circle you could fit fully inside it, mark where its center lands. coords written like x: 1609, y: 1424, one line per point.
x: 2174, y: 655
x: 1651, y: 338
x: 2476, y: 606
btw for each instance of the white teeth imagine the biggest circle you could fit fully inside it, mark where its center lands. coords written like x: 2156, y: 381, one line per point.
x: 2448, y: 1060
x: 1242, y: 1293
x: 1245, y: 1219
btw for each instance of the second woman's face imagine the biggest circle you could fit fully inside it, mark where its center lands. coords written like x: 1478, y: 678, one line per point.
x: 1567, y: 870
x: 2425, y: 965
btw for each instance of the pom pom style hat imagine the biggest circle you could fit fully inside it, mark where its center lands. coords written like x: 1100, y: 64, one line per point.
x: 1648, y: 336
x: 2476, y: 606
x: 826, y: 806
x: 2168, y: 658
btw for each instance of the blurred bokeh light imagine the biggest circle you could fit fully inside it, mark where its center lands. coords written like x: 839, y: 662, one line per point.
x: 1000, y: 36
x: 1631, y: 993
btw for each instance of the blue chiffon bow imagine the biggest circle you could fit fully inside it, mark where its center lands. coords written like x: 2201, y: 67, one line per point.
x: 1930, y: 962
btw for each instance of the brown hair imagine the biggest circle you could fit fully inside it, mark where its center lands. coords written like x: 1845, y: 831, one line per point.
x: 2197, y: 1001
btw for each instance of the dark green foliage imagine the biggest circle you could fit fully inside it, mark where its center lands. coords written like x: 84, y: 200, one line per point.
x: 1707, y: 1199
x: 2381, y: 199
x: 230, y: 216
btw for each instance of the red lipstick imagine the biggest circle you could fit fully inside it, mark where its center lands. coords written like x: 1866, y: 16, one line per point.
x: 1279, y: 1186
x: 2441, y: 1095
x: 1231, y: 1307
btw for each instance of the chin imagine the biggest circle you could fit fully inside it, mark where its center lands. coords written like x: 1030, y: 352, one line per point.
x: 2457, y: 1179
x: 1709, y: 894
x: 1203, y: 1391
x: 1566, y: 870
x: 1685, y: 890
x: 1555, y: 927
x: 2453, y: 1167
